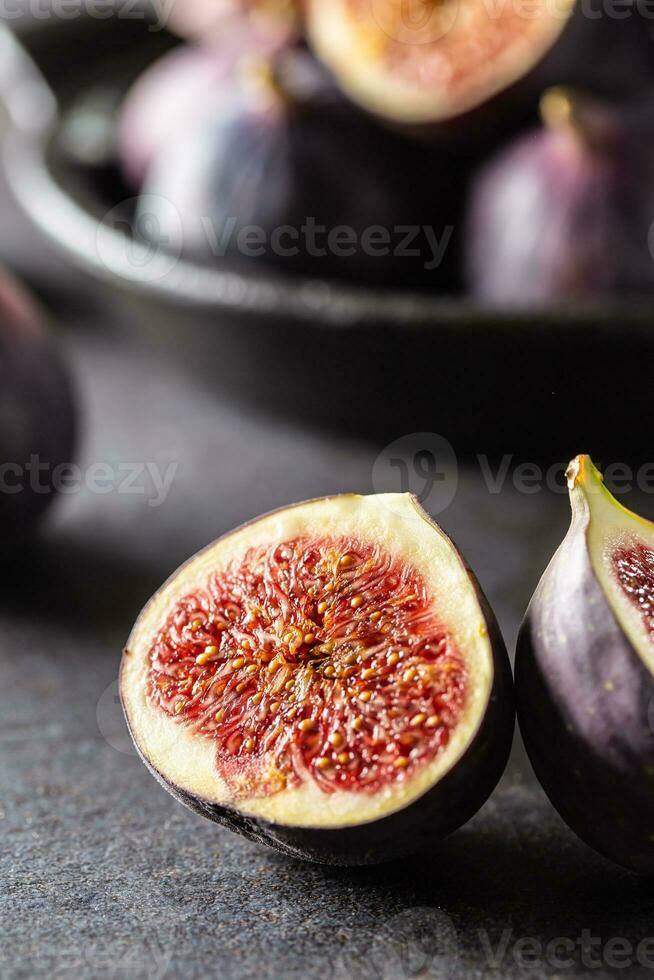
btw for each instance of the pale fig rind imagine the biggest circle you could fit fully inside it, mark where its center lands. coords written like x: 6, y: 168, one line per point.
x: 584, y: 698
x: 446, y: 805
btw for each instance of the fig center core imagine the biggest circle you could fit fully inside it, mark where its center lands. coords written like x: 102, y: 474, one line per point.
x: 320, y: 658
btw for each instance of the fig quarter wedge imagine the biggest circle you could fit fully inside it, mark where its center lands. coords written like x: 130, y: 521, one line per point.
x: 328, y: 680
x: 584, y: 674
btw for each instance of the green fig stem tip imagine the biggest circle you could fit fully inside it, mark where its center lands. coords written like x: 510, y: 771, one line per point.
x: 574, y: 470
x: 582, y: 472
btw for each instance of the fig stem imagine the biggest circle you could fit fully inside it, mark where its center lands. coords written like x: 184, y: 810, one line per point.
x: 267, y: 78
x: 569, y: 111
x: 558, y: 108
x: 262, y: 78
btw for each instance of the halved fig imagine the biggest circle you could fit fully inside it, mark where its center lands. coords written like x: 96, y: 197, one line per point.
x: 584, y: 674
x: 427, y: 61
x: 328, y: 679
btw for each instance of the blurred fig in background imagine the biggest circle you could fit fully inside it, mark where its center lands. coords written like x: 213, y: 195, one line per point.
x: 164, y: 101
x: 37, y: 414
x: 428, y: 61
x: 565, y: 213
x: 292, y: 175
x: 208, y: 20
x: 175, y: 91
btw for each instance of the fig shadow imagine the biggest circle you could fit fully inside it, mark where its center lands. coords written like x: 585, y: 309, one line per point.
x: 76, y: 584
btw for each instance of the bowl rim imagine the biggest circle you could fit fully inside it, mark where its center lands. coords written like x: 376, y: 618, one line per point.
x: 114, y: 256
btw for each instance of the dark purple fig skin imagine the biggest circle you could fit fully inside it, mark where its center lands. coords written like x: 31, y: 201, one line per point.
x: 174, y: 92
x: 591, y: 745
x: 163, y: 101
x: 308, y: 155
x: 564, y: 214
x: 448, y: 805
x: 37, y: 411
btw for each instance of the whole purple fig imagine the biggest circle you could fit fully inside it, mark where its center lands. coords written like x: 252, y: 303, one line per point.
x: 163, y: 101
x: 290, y: 174
x: 174, y: 92
x: 37, y: 413
x: 565, y: 213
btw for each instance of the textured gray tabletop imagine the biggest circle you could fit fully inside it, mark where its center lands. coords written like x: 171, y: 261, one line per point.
x: 104, y: 875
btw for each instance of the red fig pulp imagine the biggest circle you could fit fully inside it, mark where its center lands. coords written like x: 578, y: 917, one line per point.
x: 366, y: 685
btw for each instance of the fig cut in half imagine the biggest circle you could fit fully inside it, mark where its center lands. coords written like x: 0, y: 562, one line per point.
x: 428, y: 61
x: 328, y: 680
x: 584, y: 674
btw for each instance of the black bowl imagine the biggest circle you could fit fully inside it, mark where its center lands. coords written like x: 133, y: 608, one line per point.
x: 374, y: 362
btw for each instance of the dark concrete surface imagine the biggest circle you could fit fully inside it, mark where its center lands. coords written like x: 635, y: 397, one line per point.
x: 104, y: 875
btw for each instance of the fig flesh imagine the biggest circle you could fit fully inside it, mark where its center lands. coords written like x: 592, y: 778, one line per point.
x: 584, y: 674
x: 564, y: 214
x: 37, y: 413
x: 328, y: 680
x: 428, y: 61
